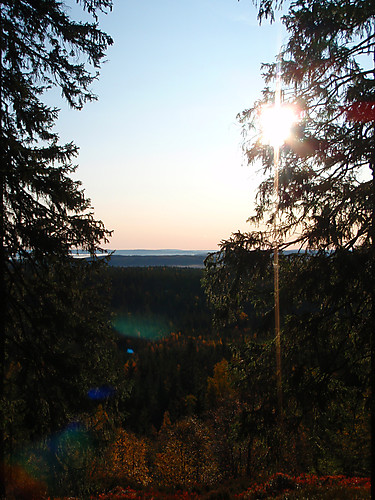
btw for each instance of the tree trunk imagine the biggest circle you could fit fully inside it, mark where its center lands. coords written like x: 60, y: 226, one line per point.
x: 3, y: 294
x: 249, y: 456
x: 2, y: 341
x: 372, y: 339
x: 372, y: 321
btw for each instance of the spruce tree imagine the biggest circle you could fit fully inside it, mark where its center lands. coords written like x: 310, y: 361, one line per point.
x: 44, y: 213
x: 327, y: 188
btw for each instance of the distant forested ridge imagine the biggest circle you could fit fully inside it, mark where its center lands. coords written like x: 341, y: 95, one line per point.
x: 196, y: 261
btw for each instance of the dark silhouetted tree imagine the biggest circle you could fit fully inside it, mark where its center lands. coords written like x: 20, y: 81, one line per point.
x: 44, y: 213
x: 326, y: 194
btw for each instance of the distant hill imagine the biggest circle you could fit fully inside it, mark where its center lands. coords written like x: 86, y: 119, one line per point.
x: 160, y: 252
x: 194, y: 261
x: 159, y: 258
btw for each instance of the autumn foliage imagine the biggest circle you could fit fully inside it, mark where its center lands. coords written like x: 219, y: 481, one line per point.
x: 126, y: 459
x: 281, y: 486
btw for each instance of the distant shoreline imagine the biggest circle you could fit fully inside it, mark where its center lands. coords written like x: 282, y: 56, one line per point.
x: 156, y: 258
x: 152, y: 258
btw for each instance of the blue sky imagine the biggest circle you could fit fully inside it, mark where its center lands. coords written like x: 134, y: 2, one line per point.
x: 160, y: 151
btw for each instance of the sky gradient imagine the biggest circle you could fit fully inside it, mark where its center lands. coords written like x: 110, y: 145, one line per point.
x: 160, y: 151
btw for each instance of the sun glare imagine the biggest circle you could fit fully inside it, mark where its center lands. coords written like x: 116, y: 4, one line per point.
x: 276, y: 123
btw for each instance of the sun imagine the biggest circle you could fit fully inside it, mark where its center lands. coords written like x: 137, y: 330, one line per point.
x: 276, y: 123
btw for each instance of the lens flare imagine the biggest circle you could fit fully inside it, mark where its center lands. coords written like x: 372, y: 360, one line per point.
x: 143, y: 327
x: 99, y: 393
x: 36, y: 469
